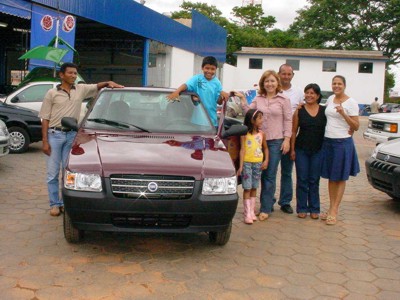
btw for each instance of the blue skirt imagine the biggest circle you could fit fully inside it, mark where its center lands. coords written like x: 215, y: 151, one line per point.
x: 339, y: 159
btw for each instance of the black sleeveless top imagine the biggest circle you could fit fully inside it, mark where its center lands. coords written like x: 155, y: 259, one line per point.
x: 311, y: 129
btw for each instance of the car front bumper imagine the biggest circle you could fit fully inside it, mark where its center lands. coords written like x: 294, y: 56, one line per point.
x: 375, y: 137
x: 104, y: 211
x: 384, y: 176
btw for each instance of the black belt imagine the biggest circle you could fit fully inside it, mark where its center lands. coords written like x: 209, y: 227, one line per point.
x: 61, y: 129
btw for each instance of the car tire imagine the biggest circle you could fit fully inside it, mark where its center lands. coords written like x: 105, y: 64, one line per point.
x: 71, y: 234
x: 19, y: 139
x: 220, y: 238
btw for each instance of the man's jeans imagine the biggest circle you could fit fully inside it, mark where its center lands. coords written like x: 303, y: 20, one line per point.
x: 60, y: 143
x: 286, y: 193
x: 308, y: 170
x: 268, y: 176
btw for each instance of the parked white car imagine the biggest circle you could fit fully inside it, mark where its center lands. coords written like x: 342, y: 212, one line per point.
x: 4, y: 139
x: 31, y: 96
x: 383, y: 127
x: 383, y: 168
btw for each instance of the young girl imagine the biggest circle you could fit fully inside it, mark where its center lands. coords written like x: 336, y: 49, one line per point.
x: 253, y: 159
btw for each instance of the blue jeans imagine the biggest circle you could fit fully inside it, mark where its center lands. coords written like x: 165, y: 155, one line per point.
x: 60, y: 145
x: 308, y: 170
x: 286, y: 193
x: 268, y: 176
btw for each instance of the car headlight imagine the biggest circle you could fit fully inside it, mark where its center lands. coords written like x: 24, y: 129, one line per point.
x: 82, y: 182
x: 376, y: 150
x: 219, y: 186
x: 3, y: 131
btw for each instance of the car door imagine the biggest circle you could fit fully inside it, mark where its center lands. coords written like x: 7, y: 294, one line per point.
x: 30, y: 96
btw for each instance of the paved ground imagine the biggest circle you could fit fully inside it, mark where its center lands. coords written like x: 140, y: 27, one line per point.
x: 282, y: 258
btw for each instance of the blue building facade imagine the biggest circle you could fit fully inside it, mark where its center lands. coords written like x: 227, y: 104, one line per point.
x: 109, y: 34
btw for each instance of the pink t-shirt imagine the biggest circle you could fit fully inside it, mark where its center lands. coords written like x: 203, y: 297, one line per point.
x: 277, y: 115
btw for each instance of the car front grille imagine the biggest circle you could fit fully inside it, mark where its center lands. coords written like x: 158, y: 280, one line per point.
x: 383, y: 167
x: 378, y: 125
x: 150, y: 220
x: 152, y: 186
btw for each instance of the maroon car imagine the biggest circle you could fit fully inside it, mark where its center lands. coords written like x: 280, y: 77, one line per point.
x: 141, y: 163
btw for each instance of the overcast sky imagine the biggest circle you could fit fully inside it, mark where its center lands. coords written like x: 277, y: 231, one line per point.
x: 284, y: 12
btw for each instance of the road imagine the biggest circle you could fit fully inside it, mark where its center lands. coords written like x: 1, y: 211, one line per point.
x: 282, y: 258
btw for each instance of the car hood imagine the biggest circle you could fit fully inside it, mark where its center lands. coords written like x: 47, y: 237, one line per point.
x: 156, y: 154
x: 385, y: 117
x: 392, y: 147
x: 18, y: 110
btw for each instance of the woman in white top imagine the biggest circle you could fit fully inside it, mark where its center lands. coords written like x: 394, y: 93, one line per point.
x: 339, y: 156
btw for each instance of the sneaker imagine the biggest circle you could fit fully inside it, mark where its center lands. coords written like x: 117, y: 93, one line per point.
x: 55, y: 211
x: 287, y: 209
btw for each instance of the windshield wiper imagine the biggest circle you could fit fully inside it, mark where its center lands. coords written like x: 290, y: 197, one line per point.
x: 116, y: 123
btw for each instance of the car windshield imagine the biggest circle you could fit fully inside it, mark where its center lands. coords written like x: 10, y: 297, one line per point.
x: 148, y: 111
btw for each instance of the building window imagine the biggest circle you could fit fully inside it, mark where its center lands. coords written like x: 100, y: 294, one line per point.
x: 329, y: 66
x: 255, y: 63
x: 294, y: 63
x: 365, y: 67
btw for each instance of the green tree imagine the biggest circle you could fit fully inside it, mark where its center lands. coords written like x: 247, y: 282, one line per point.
x: 253, y: 16
x: 210, y: 11
x: 389, y: 83
x: 351, y: 25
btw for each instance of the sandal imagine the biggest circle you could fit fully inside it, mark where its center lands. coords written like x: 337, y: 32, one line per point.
x: 323, y: 216
x: 314, y: 216
x: 263, y: 216
x: 330, y: 220
x: 301, y: 215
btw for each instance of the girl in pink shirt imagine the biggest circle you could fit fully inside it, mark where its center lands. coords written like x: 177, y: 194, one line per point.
x: 277, y: 125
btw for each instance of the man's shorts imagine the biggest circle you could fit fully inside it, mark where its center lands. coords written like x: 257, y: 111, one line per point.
x: 251, y: 175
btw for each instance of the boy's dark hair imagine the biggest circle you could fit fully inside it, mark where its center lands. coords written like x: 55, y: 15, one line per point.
x: 66, y: 65
x: 315, y: 87
x: 209, y: 60
x: 251, y: 114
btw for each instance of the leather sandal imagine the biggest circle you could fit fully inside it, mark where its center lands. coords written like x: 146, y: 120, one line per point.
x: 301, y: 215
x: 331, y: 220
x: 314, y: 216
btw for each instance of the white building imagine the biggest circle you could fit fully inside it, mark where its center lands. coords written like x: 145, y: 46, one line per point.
x: 364, y: 70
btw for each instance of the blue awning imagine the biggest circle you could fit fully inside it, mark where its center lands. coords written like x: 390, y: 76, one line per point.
x: 18, y: 8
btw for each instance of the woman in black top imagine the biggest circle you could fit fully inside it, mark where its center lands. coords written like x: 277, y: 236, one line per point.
x: 309, y: 123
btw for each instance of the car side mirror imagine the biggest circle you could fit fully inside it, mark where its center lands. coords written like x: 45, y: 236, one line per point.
x: 15, y: 99
x: 70, y: 123
x: 235, y: 130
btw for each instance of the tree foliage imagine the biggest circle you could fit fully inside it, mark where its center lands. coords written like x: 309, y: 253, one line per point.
x: 249, y: 30
x: 351, y: 25
x: 389, y: 83
x: 253, y: 16
x: 210, y: 11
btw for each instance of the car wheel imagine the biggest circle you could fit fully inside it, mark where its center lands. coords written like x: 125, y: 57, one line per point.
x: 220, y: 237
x: 71, y: 234
x: 19, y: 139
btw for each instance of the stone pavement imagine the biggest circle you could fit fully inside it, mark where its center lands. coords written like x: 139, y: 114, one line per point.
x: 282, y: 258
